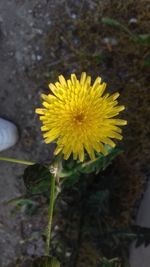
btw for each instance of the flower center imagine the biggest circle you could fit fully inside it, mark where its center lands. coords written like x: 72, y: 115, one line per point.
x: 79, y: 118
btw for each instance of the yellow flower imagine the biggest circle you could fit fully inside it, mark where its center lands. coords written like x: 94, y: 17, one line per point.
x: 79, y: 118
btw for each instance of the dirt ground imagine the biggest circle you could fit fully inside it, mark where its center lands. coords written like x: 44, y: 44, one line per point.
x: 38, y: 41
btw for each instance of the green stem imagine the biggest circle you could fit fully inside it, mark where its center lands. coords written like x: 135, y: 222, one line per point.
x: 50, y: 215
x: 17, y: 161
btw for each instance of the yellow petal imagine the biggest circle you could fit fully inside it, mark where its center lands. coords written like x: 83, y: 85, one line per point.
x: 40, y: 111
x: 83, y: 78
x: 62, y: 80
x: 97, y: 82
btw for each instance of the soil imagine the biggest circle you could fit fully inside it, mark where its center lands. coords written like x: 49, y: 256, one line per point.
x: 38, y: 41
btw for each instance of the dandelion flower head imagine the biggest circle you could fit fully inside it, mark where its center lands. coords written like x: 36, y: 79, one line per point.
x: 79, y: 117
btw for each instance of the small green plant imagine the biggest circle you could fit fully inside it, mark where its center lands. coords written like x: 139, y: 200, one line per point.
x: 115, y: 262
x: 143, y: 39
x: 82, y: 122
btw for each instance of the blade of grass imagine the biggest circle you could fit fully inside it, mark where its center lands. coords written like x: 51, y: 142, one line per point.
x: 19, y: 161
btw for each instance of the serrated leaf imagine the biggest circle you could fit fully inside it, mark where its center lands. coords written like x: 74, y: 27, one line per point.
x: 139, y: 234
x: 101, y: 162
x: 142, y: 235
x: 37, y: 179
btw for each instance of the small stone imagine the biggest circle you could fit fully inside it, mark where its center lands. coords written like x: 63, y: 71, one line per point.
x: 56, y: 228
x: 37, y: 48
x: 39, y: 57
x: 49, y: 22
x: 30, y: 11
x: 110, y: 40
x: 68, y: 254
x: 11, y: 53
x: 133, y: 21
x: 31, y: 24
x: 33, y: 57
x: 29, y: 96
x: 21, y: 242
x: 74, y: 16
x: 39, y: 31
x: 30, y: 225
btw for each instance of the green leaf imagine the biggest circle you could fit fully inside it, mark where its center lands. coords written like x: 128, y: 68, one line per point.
x: 147, y: 61
x: 37, y: 179
x: 115, y: 262
x: 142, y: 235
x: 30, y: 205
x: 143, y: 39
x: 55, y: 263
x: 139, y: 234
x: 101, y: 162
x: 72, y: 180
x: 21, y: 202
x: 46, y: 262
x: 116, y: 24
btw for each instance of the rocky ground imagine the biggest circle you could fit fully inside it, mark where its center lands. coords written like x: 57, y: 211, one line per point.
x: 38, y: 41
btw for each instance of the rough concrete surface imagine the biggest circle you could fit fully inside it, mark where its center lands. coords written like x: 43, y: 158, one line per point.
x: 21, y: 33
